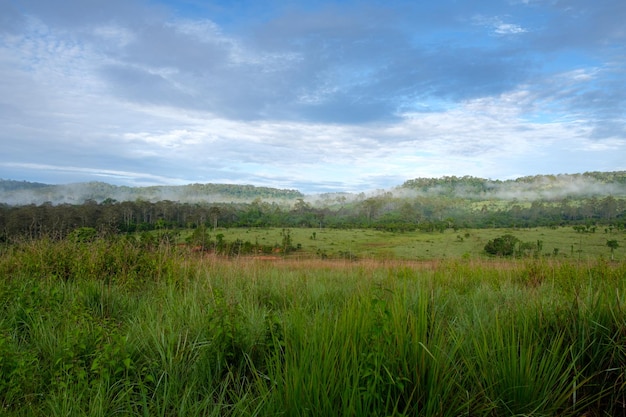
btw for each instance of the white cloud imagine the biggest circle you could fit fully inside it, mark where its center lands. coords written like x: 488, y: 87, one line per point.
x: 498, y: 25
x: 471, y: 139
x: 502, y: 28
x: 296, y: 99
x: 132, y: 177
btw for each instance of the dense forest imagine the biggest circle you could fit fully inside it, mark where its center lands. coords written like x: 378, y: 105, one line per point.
x: 588, y: 201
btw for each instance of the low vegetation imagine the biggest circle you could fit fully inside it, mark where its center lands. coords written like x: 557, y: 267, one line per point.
x: 146, y: 325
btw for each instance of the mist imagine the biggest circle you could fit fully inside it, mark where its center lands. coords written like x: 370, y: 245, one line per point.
x: 536, y: 188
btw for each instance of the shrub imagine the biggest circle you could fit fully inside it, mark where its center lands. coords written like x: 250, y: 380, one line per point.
x: 502, y: 246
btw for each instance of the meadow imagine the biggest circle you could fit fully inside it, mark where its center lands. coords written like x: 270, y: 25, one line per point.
x: 560, y: 242
x: 412, y: 324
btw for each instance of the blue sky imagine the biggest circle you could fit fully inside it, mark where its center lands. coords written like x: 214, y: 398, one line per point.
x: 315, y: 95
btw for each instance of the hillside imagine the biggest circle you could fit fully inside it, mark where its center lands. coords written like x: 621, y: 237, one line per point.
x: 531, y: 188
x: 538, y: 187
x: 23, y: 193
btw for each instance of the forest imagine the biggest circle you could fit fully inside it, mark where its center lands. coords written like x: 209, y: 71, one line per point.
x: 591, y: 200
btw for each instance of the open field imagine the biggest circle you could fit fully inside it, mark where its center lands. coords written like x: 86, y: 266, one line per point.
x: 463, y: 243
x: 111, y: 327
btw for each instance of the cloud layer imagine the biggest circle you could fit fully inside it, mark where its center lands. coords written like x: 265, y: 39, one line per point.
x: 319, y: 96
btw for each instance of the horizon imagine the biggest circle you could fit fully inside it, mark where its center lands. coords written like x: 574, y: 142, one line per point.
x: 319, y: 97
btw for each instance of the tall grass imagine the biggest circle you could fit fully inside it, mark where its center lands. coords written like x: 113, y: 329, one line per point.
x: 111, y: 327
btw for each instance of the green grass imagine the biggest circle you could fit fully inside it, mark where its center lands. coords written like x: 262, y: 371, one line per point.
x: 113, y: 328
x: 463, y: 243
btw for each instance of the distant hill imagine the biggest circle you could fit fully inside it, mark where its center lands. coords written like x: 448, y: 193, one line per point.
x: 23, y: 193
x: 11, y: 185
x: 538, y: 187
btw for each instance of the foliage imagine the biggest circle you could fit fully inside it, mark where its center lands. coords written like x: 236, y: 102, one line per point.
x: 504, y: 245
x: 83, y: 234
x: 613, y: 244
x: 200, y: 238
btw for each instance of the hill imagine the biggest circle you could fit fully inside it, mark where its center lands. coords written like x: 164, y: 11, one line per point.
x: 538, y: 187
x: 24, y: 193
x: 531, y: 188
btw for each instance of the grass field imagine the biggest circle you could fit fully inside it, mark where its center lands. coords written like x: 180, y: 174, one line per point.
x: 373, y: 244
x: 111, y: 327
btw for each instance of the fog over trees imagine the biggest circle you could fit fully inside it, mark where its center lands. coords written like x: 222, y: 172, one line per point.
x: 587, y: 200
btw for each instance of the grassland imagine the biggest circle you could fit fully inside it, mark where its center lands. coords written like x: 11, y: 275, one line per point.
x: 114, y: 327
x: 462, y: 243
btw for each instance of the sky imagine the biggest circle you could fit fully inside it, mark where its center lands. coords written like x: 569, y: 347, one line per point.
x: 319, y: 96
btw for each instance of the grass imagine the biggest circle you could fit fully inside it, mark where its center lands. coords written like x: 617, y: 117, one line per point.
x: 463, y: 243
x: 109, y: 327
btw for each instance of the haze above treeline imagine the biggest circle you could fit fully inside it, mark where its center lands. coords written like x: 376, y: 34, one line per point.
x: 529, y: 188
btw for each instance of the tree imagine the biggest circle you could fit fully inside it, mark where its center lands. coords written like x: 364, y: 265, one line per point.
x: 502, y: 246
x: 214, y: 212
x: 371, y: 206
x: 287, y: 245
x: 84, y: 234
x: 613, y: 244
x: 200, y: 237
x: 608, y: 207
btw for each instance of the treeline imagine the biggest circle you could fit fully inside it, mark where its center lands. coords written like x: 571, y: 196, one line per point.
x: 383, y: 212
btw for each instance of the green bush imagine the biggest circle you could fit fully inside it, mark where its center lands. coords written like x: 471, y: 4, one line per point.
x: 504, y: 245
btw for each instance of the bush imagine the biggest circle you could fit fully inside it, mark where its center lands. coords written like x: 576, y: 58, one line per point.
x: 502, y: 246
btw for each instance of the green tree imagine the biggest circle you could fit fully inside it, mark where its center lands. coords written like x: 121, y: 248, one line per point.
x: 84, y: 234
x: 200, y: 237
x: 502, y: 246
x: 613, y: 244
x: 214, y: 212
x: 287, y: 242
